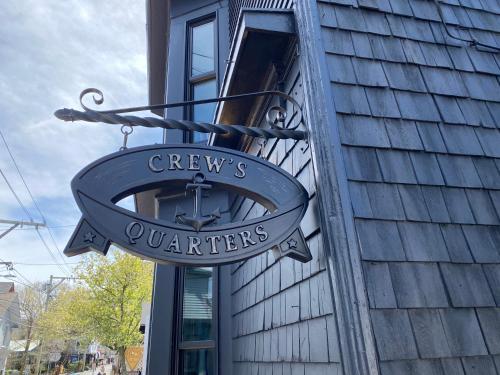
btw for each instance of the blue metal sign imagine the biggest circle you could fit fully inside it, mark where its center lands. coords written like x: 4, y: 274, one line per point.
x: 195, y: 237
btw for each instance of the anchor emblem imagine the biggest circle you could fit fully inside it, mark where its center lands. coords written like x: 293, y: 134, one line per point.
x: 198, y: 220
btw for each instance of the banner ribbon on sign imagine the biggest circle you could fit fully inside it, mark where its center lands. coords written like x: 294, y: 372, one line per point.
x: 191, y: 236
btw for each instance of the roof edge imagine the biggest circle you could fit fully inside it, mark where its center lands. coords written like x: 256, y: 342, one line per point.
x: 157, y: 29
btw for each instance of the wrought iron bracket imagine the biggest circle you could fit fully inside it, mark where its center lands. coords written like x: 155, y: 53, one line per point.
x: 114, y: 117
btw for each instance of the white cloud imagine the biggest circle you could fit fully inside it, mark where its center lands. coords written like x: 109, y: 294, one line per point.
x: 51, y: 50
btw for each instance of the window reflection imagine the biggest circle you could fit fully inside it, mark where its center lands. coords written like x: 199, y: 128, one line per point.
x: 202, y: 59
x: 202, y: 77
x: 203, y: 112
x: 204, y: 90
x: 197, y: 304
x: 198, y: 362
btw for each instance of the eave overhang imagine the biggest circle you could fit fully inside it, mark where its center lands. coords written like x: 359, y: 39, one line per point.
x: 263, y: 38
x: 157, y: 25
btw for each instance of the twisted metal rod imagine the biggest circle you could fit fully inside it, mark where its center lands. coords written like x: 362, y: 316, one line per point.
x: 112, y: 117
x: 66, y: 114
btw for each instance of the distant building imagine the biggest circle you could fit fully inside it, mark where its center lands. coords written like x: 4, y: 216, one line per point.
x: 402, y: 101
x: 9, y: 319
x: 16, y: 353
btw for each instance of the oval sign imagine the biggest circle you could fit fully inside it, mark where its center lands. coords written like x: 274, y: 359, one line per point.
x: 192, y: 236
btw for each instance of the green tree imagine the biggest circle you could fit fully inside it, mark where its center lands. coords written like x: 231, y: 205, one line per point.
x: 67, y: 317
x: 31, y: 302
x: 107, y: 306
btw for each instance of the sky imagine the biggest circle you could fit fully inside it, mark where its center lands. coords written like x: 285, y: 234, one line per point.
x: 51, y: 50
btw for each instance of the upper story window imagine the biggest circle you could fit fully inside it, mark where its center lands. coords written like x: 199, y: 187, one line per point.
x: 196, y: 347
x: 202, y: 52
x: 202, y: 78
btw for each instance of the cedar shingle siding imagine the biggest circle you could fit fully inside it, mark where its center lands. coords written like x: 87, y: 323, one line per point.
x: 419, y: 118
x: 419, y: 122
x: 282, y: 311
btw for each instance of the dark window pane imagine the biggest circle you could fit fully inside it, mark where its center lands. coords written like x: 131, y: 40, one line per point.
x: 203, y: 112
x: 202, y: 59
x: 197, y: 304
x: 204, y: 90
x: 198, y: 362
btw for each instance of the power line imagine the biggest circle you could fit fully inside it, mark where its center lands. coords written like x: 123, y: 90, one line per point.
x: 472, y: 42
x: 36, y: 225
x: 10, y: 267
x: 23, y: 277
x: 29, y: 284
x: 19, y: 282
x: 57, y: 247
x: 51, y: 227
x: 15, y: 195
x: 13, y: 224
x: 41, y: 264
x: 31, y: 196
x: 20, y: 174
x: 50, y: 252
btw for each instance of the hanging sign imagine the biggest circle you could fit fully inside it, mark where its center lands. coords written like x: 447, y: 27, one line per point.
x: 133, y: 356
x: 193, y: 235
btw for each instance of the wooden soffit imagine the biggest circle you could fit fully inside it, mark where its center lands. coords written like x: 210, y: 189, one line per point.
x: 157, y: 26
x: 263, y: 38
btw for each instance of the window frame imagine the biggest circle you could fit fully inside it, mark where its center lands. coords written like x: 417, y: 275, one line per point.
x: 163, y: 331
x: 190, y: 79
x: 180, y: 345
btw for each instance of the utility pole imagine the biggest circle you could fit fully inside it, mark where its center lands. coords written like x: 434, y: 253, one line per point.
x: 16, y: 223
x: 8, y: 265
x: 50, y: 289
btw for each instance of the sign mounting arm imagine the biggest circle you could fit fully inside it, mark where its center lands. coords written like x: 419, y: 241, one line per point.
x: 114, y: 117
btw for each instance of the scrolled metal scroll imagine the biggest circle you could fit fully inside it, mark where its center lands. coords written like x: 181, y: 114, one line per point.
x: 113, y: 117
x: 99, y: 100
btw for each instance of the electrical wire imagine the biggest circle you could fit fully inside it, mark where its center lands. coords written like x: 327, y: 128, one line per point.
x: 33, y: 228
x: 20, y: 174
x: 51, y: 253
x: 29, y: 283
x: 19, y: 282
x: 15, y: 195
x: 31, y: 196
x: 23, y: 277
x: 57, y: 247
x: 42, y: 264
x: 472, y: 42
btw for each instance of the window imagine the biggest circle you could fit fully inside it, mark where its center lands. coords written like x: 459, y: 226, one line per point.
x: 197, y: 304
x: 202, y: 80
x: 197, y: 329
x: 197, y: 310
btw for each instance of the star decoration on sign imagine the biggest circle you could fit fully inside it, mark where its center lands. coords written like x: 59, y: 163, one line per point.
x: 89, y: 237
x: 292, y: 244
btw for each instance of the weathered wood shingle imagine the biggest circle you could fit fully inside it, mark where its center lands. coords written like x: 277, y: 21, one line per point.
x: 418, y: 285
x: 282, y: 310
x: 463, y: 282
x: 490, y: 323
x: 419, y: 120
x: 425, y: 189
x: 429, y: 333
x: 393, y: 334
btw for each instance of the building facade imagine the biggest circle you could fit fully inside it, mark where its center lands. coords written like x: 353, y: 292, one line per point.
x: 401, y: 99
x: 9, y: 319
